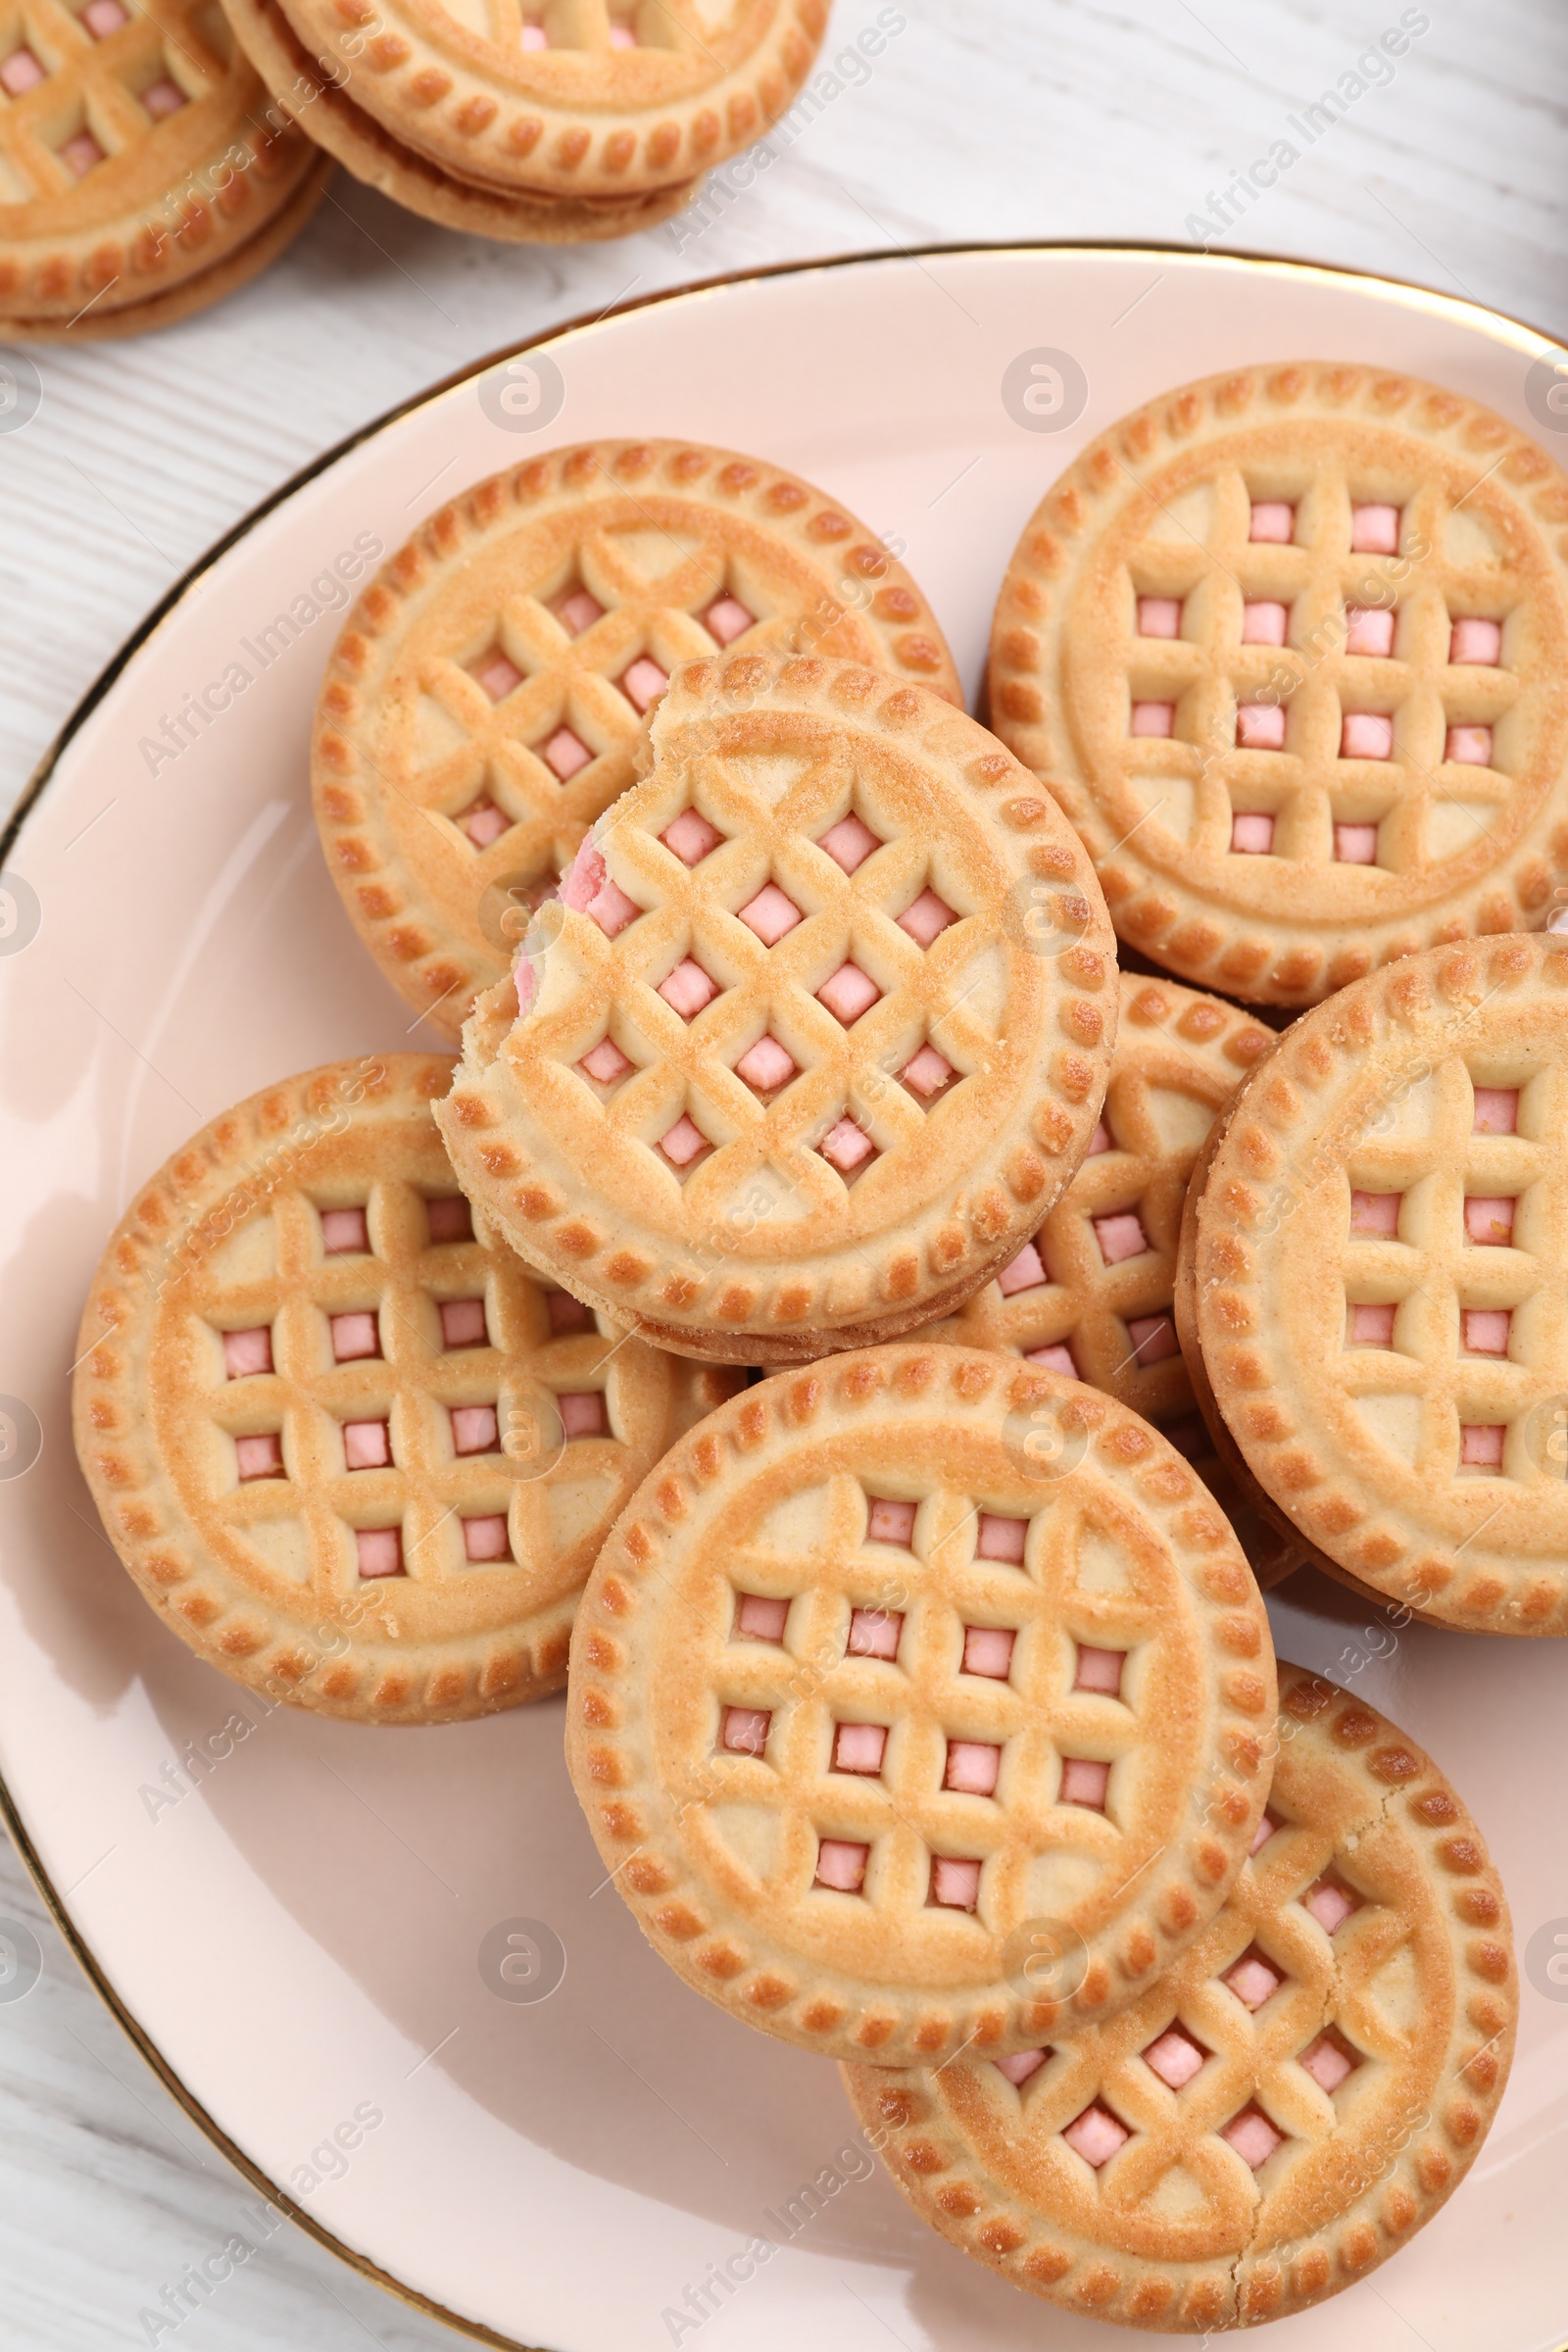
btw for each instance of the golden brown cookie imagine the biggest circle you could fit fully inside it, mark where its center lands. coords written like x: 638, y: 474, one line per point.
x: 354, y: 1457
x: 1290, y: 648
x: 486, y: 699
x: 921, y: 1700
x: 1376, y: 1260
x: 191, y: 294
x: 1281, y: 2111
x: 134, y: 156
x: 568, y: 97
x: 1091, y: 1294
x: 817, y: 1033
x: 366, y: 148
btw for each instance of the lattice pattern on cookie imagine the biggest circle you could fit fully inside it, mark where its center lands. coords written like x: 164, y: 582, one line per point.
x: 1412, y: 1422
x: 1302, y: 2087
x: 78, y: 85
x: 350, y: 1413
x: 905, y: 1710
x: 1309, y: 665
x: 511, y: 687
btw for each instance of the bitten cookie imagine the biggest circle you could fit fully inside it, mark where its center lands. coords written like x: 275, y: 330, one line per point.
x: 921, y: 1701
x: 799, y: 1066
x: 1281, y: 2111
x: 485, y: 701
x: 138, y: 178
x: 1373, y: 1279
x: 1290, y: 646
x: 351, y: 1455
x: 1091, y: 1294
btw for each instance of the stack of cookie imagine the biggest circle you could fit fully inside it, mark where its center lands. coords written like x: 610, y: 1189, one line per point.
x: 548, y: 122
x: 143, y: 175
x: 874, y: 1349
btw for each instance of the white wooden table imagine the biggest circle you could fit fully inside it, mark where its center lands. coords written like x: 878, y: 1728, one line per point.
x: 983, y: 119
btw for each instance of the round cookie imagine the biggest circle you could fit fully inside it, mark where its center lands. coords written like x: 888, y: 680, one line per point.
x: 922, y: 1700
x: 485, y: 701
x: 1284, y: 2109
x: 1290, y: 648
x: 136, y: 157
x: 1091, y: 1296
x: 569, y: 97
x: 366, y: 148
x: 191, y: 294
x: 1374, y: 1271
x: 354, y: 1457
x: 817, y: 1033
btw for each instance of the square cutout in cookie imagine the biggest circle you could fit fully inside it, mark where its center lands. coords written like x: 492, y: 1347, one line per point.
x: 1098, y: 1670
x: 1021, y: 2067
x: 1085, y: 1781
x: 772, y: 915
x: 367, y: 1445
x: 688, y: 990
x: 642, y: 682
x: 81, y: 153
x: 1120, y: 1236
x: 1260, y: 726
x: 482, y: 821
x: 162, y: 98
x: 874, y: 1634
x: 1485, y: 1329
x: 1254, y: 1978
x: 1025, y: 1272
x: 1253, y: 2138
x: 1468, y: 745
x: 576, y: 608
x: 1096, y: 2135
x: 1154, y: 1337
x: 1159, y: 617
x: 565, y: 754
x: 858, y: 1748
x: 463, y: 1324
x: 1264, y: 622
x: 1057, y: 1356
x: 567, y: 1313
x: 1495, y: 1110
x: 1152, y: 719
x: 1368, y: 1325
x: 848, y: 1147
x: 987, y: 1651
x: 1330, y: 1903
x: 760, y: 1617
x: 1369, y: 631
x: 1262, y: 1834
x: 955, y: 1883
x: 927, y: 918
x: 999, y: 1537
x: 1476, y: 644
x: 1375, y: 530
x: 849, y: 843
x: 1251, y: 833
x: 1488, y: 1220
x: 582, y: 1413
x: 378, y: 1551
x: 475, y: 1429
x: 743, y: 1731
x: 260, y: 1456
x: 841, y: 1864
x: 890, y: 1520
x: 1176, y: 2057
x: 766, y: 1067
x: 1366, y: 735
x: 1355, y: 844
x: 691, y: 838
x: 248, y: 1352
x: 103, y: 17
x: 20, y: 71
x: 684, y: 1146
x: 972, y: 1767
x: 1329, y: 2060
x: 1480, y: 1446
x: 848, y: 993
x: 344, y: 1233
x: 927, y: 1074
x: 728, y: 619
x: 1375, y: 1216
x: 604, y: 1064
x: 1272, y: 522
x: 486, y: 1538
x: 496, y: 671
x: 355, y: 1336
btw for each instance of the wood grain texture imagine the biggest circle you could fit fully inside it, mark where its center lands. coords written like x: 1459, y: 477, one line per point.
x: 1023, y: 118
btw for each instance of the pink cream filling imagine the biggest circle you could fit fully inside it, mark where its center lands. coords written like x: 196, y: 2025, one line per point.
x: 849, y: 843
x: 1328, y: 2065
x: 103, y: 17
x: 858, y: 1748
x: 1253, y: 833
x: 1057, y: 1358
x: 682, y: 1143
x: 367, y: 1445
x: 580, y: 609
x: 771, y: 914
x: 1263, y: 623
x: 1095, y: 2135
x: 972, y: 1767
x: 1470, y: 747
x: 1025, y: 1272
x: 163, y: 98
x: 1369, y: 629
x: 643, y: 682
x: 583, y: 1412
x: 486, y: 1538
x: 1001, y: 1539
x: 841, y: 1864
x: 690, y: 837
x: 1153, y: 1337
x: 874, y: 1634
x: 987, y: 1651
x: 1374, y: 530
x: 1372, y: 1326
x: 353, y: 1337
x: 380, y: 1551
x: 1153, y: 718
x: 1488, y: 1221
x: 766, y: 1066
x: 1084, y: 1781
x: 20, y: 71
x: 688, y: 989
x: 483, y: 822
x: 745, y: 1732
x: 1355, y: 844
x: 1376, y: 1214
x: 1330, y: 1905
x: 1481, y: 1445
x: 728, y: 619
x: 759, y: 1617
x: 1496, y: 1111
x: 497, y: 674
x: 1273, y: 522
x: 1099, y: 1670
x: 890, y: 1522
x: 344, y: 1232
x: 1476, y: 642
x: 566, y: 1312
x: 955, y: 1883
x: 1262, y: 1834
x: 260, y: 1456
x: 847, y: 1147
x: 848, y: 993
x: 81, y: 153
x: 1159, y: 617
x: 1101, y: 1139
x: 1486, y: 1329
x: 1260, y: 726
x: 1175, y: 2057
x: 1253, y: 1980
x: 565, y: 752
x: 605, y: 1062
x: 1253, y: 2136
x: 462, y: 1323
x: 534, y: 36
x: 1018, y: 2069
x: 927, y: 918
x: 1120, y: 1237
x: 475, y: 1429
x: 248, y: 1351
x: 1366, y: 735
x: 927, y: 1072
